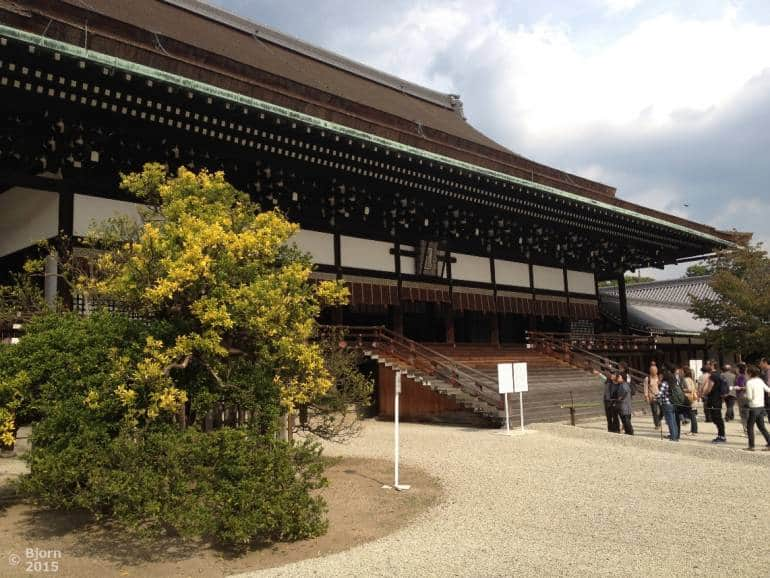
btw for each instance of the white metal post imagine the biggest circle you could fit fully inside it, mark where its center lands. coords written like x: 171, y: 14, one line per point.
x: 521, y: 409
x: 507, y: 416
x: 396, y: 485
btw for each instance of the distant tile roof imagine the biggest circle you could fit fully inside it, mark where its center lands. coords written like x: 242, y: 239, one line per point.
x: 660, y: 306
x: 674, y: 292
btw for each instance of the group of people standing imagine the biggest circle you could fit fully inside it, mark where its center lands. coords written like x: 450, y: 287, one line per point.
x: 672, y: 394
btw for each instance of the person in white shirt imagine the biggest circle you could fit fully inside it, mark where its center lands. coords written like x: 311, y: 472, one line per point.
x: 755, y: 396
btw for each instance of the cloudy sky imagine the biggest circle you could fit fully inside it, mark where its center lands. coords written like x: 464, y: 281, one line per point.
x: 669, y: 101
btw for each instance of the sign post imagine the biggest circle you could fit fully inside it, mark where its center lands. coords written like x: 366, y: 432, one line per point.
x: 396, y: 485
x: 505, y: 386
x: 520, y: 385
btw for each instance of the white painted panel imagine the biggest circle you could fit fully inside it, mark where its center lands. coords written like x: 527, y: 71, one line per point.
x: 549, y: 278
x: 580, y: 282
x: 511, y: 273
x: 90, y: 211
x: 319, y: 245
x: 407, y: 263
x: 471, y: 268
x: 26, y: 217
x: 366, y: 254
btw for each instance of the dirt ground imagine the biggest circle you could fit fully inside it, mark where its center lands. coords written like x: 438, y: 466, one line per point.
x: 359, y: 511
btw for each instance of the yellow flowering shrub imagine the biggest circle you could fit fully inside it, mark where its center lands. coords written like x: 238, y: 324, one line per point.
x: 226, y: 274
x: 7, y: 428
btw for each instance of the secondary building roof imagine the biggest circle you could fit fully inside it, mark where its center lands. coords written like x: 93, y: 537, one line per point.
x: 660, y: 307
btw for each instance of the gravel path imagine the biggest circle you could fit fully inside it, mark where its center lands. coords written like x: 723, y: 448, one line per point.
x: 565, y: 501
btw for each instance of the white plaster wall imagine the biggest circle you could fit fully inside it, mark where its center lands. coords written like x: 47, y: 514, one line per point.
x: 90, y: 211
x: 366, y: 254
x: 511, y: 273
x: 471, y: 268
x: 550, y: 278
x: 580, y: 282
x: 319, y: 245
x: 26, y: 217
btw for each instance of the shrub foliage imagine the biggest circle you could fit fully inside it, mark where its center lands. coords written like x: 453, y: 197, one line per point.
x: 166, y: 419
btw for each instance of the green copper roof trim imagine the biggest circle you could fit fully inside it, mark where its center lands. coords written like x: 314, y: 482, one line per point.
x: 154, y: 73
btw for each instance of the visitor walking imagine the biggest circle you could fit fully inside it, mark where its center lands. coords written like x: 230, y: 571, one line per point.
x: 651, y: 390
x: 690, y: 391
x: 715, y: 392
x: 664, y: 391
x: 702, y: 381
x: 765, y: 375
x: 728, y: 375
x: 756, y: 389
x: 740, y: 396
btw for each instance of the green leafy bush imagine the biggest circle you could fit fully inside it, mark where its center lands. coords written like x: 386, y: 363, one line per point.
x: 234, y: 486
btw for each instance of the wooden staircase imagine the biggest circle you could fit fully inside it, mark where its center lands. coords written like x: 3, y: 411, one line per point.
x: 553, y: 383
x: 467, y: 375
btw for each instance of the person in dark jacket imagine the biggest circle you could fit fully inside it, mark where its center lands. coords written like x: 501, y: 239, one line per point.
x: 664, y: 398
x: 623, y: 403
x: 608, y: 379
x: 715, y: 393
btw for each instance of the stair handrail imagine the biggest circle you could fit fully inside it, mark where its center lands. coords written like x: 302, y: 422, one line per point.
x: 547, y: 341
x: 468, y: 379
x: 606, y: 341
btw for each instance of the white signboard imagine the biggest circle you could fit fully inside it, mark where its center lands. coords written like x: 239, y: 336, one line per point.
x: 505, y: 377
x: 519, y: 377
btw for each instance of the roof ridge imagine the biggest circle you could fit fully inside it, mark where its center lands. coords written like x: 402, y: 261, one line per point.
x: 266, y: 33
x: 658, y: 283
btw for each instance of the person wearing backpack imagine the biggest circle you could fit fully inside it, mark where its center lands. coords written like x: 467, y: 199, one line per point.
x: 667, y: 382
x: 678, y: 399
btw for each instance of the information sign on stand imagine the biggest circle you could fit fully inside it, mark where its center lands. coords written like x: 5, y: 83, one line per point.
x: 505, y: 386
x: 520, y: 385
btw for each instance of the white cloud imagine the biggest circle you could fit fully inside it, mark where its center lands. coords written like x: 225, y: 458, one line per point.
x: 620, y: 6
x: 541, y: 81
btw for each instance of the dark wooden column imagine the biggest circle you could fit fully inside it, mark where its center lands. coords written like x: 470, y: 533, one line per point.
x: 494, y: 331
x: 63, y: 241
x: 623, y: 304
x: 449, y: 324
x: 397, y: 319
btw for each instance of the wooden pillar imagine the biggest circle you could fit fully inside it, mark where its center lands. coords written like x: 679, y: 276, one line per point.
x: 63, y: 242
x: 449, y: 325
x: 494, y: 333
x: 623, y: 304
x: 397, y: 319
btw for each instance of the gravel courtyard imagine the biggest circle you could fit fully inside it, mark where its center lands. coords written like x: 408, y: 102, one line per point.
x: 565, y: 501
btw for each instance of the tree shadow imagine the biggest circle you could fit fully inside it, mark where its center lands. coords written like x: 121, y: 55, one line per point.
x: 105, y: 541
x: 91, y: 538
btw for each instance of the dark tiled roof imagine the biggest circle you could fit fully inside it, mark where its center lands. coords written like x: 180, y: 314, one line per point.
x: 195, y: 40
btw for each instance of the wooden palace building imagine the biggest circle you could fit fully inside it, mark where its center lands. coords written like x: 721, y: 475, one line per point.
x: 442, y: 234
